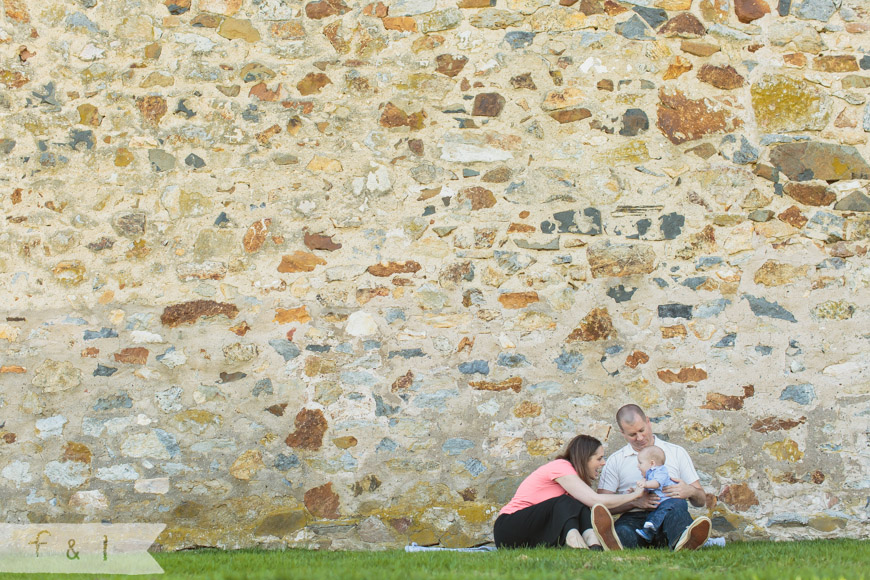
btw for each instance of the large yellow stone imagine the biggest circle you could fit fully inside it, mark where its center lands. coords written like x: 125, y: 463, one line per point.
x: 785, y: 450
x: 324, y: 164
x: 783, y: 103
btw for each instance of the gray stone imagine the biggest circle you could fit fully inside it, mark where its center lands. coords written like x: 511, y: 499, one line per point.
x: 826, y: 226
x: 711, y: 309
x: 726, y: 341
x: 855, y: 201
x: 456, y: 446
x: 788, y: 520
x: 672, y: 225
x: 512, y: 361
x: 161, y: 160
x: 865, y: 62
x: 568, y: 361
x: 746, y: 154
x: 102, y: 333
x: 120, y: 401
x: 675, y: 311
x: 118, y: 472
x: 104, y: 371
x: 802, y: 394
x: 475, y: 366
x: 784, y: 7
x: 285, y: 348
x: 519, y: 39
x: 763, y: 307
x: 620, y: 294
x: 634, y: 122
x: 634, y: 29
x: 821, y: 10
x: 263, y: 387
x: 655, y: 17
x: 473, y: 466
x: 406, y: 353
x: 86, y: 137
x: 815, y: 160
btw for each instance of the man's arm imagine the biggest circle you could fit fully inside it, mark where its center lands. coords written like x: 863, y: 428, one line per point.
x: 690, y: 491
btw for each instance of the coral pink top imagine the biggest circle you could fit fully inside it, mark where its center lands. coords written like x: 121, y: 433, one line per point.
x: 540, y: 486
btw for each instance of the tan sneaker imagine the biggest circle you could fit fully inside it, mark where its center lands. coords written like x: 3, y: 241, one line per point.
x: 695, y: 535
x: 602, y: 524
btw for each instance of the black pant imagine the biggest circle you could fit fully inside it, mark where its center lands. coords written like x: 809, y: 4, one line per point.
x: 543, y: 524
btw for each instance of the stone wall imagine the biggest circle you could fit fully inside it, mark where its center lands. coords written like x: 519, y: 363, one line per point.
x: 337, y: 274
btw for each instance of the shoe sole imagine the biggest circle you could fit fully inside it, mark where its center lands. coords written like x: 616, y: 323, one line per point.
x: 602, y: 524
x: 695, y: 535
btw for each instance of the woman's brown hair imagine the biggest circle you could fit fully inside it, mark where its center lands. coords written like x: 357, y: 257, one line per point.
x: 578, y: 452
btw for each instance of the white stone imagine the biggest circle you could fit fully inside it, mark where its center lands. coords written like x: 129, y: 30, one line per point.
x: 17, y: 471
x: 199, y: 44
x: 118, y: 425
x: 93, y: 427
x: 410, y: 335
x: 91, y: 52
x: 379, y: 181
x: 119, y: 472
x: 9, y: 332
x: 505, y: 342
x: 145, y: 337
x: 144, y: 445
x: 592, y: 64
x: 51, y: 427
x: 173, y: 358
x: 277, y: 9
x: 158, y: 485
x: 411, y: 7
x: 361, y: 324
x: 88, y: 501
x: 467, y: 153
x: 69, y: 474
x: 490, y: 408
x: 867, y: 118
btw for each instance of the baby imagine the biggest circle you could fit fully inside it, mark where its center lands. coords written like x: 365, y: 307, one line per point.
x: 651, y: 462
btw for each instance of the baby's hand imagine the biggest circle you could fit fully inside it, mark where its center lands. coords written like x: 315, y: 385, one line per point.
x: 641, y: 483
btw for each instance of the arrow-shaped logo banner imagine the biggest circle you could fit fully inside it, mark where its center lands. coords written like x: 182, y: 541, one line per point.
x: 78, y: 548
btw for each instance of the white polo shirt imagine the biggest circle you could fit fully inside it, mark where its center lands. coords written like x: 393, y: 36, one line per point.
x: 621, y: 472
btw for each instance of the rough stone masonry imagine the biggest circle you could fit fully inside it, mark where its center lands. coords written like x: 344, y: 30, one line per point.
x: 338, y: 274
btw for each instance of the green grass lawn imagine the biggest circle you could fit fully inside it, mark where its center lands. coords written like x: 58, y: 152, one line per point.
x: 808, y: 560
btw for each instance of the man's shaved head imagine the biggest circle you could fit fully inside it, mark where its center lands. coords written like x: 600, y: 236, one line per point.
x: 629, y: 414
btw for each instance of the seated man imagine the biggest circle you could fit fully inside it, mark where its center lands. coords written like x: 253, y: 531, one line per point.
x: 621, y: 473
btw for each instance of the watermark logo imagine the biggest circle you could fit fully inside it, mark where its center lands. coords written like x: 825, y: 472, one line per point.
x: 78, y: 548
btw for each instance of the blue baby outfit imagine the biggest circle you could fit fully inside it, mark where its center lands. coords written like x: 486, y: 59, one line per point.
x: 655, y: 518
x: 661, y: 475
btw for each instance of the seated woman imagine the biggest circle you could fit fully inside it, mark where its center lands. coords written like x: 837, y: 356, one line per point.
x: 556, y: 506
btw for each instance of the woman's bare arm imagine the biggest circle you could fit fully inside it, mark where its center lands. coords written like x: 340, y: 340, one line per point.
x: 578, y: 489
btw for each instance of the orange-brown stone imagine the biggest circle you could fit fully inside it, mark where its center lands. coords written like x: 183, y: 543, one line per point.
x: 365, y: 295
x: 685, y: 375
x: 814, y: 194
x: 137, y: 355
x: 675, y: 331
x: 385, y: 269
x: 571, y: 115
x: 796, y: 59
x: 597, y: 325
x: 721, y: 77
x: 152, y: 108
x: 376, y: 9
x: 300, y: 262
x: 480, y: 197
x: 515, y: 300
x: 527, y: 409
x: 256, y: 235
x: 190, y: 312
x: 13, y: 79
x: 310, y: 427
x: 793, y: 217
x: 324, y: 8
x: 76, y: 452
x: 403, y: 382
x: 289, y: 315
x: 312, y: 83
x: 683, y: 25
x: 450, y: 65
x: 636, y: 358
x: 739, y: 496
x: 322, y: 502
x: 749, y: 10
x: 836, y: 63
x: 682, y: 119
x: 14, y: 369
x: 487, y: 105
x: 699, y: 47
x: 769, y: 424
x: 513, y: 383
x: 720, y: 402
x: 17, y: 10
x: 320, y: 242
x: 678, y: 67
x: 400, y: 23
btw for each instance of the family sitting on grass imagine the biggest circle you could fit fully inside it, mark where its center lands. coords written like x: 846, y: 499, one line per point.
x: 647, y: 482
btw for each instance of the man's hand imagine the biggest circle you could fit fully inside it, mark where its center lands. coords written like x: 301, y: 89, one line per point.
x: 648, y: 501
x: 682, y: 490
